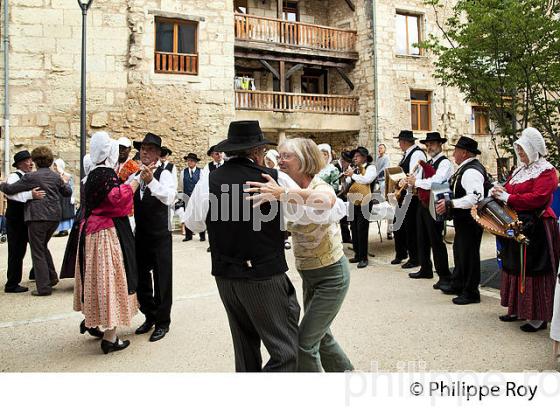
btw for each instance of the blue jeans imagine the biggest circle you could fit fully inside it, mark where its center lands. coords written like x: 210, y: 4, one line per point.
x: 324, y: 290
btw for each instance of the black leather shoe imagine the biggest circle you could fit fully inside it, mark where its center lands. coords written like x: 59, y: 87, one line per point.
x: 508, y: 318
x: 145, y: 327
x: 420, y: 275
x: 463, y: 300
x: 410, y: 265
x: 109, y: 347
x: 362, y: 264
x: 54, y: 283
x: 93, y: 331
x: 527, y: 327
x: 202, y: 237
x: 396, y: 261
x: 353, y: 260
x: 449, y: 290
x: 36, y: 293
x: 17, y: 289
x: 187, y: 239
x: 441, y: 283
x: 159, y: 333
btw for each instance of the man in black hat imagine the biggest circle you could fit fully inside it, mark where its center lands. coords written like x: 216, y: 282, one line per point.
x: 190, y: 177
x: 248, y: 262
x: 406, y: 241
x: 165, y: 163
x: 217, y: 160
x: 364, y: 173
x: 152, y: 202
x: 469, y: 183
x: 16, y: 227
x: 430, y: 231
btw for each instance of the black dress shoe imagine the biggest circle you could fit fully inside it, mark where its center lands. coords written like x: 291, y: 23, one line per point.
x: 527, y: 327
x: 145, y: 327
x: 463, y: 300
x: 362, y: 264
x: 17, y: 289
x: 187, y: 239
x: 396, y: 261
x: 410, y: 265
x: 109, y: 347
x: 508, y: 318
x: 202, y: 237
x: 420, y: 275
x: 441, y: 282
x: 54, y: 283
x: 449, y: 290
x: 347, y: 241
x: 93, y: 331
x: 353, y: 260
x: 159, y: 333
x: 36, y: 293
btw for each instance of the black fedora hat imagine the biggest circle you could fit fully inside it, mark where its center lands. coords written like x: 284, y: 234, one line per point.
x: 165, y: 151
x: 148, y: 139
x: 362, y: 151
x: 242, y: 135
x: 434, y: 137
x: 211, y: 150
x: 346, y: 156
x: 468, y: 144
x: 21, y: 156
x: 192, y: 156
x: 406, y: 135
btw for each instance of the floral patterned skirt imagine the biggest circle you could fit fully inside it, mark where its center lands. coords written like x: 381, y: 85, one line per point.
x: 106, y: 302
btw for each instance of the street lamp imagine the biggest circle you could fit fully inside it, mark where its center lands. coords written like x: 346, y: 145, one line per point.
x: 84, y: 5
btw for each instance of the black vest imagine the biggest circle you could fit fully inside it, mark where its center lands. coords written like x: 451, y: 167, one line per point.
x: 150, y: 214
x: 15, y: 209
x: 238, y: 249
x: 405, y: 162
x: 459, y: 191
x: 438, y: 161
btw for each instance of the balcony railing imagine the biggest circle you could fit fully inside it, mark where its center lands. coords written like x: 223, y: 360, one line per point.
x: 291, y: 102
x: 264, y: 29
x: 176, y: 63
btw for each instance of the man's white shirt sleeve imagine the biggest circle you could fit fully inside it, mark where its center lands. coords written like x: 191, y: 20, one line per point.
x: 473, y: 183
x: 443, y: 173
x: 198, y: 205
x: 22, y: 196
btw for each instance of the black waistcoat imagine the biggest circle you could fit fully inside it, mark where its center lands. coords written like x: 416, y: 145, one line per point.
x: 238, y: 249
x: 459, y: 191
x: 405, y: 162
x: 15, y: 209
x: 150, y: 214
x: 438, y: 162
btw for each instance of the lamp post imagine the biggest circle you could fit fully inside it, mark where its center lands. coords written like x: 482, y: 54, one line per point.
x: 84, y: 5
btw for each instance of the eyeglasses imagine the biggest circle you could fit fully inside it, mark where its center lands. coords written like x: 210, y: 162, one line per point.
x: 286, y: 155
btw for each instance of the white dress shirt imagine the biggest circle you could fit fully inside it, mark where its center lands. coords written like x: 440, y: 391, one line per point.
x: 473, y: 183
x: 165, y: 190
x: 367, y: 178
x: 443, y: 173
x: 416, y: 157
x: 206, y: 169
x: 199, y: 205
x: 22, y: 196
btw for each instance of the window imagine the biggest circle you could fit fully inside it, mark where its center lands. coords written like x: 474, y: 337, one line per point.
x: 421, y: 112
x: 176, y: 50
x: 408, y: 33
x: 291, y: 11
x: 314, y: 81
x: 481, y: 120
x: 240, y: 6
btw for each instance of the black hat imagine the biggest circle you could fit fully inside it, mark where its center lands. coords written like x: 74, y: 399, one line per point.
x: 191, y: 156
x: 434, y: 137
x: 148, y: 139
x: 21, y: 156
x: 362, y: 151
x: 468, y: 144
x: 243, y: 135
x: 406, y: 135
x: 211, y: 150
x: 346, y: 156
x: 165, y: 151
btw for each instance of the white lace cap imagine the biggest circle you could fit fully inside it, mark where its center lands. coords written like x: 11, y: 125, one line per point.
x: 532, y: 142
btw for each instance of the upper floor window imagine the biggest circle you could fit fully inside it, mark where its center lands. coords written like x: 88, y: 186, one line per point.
x: 176, y: 50
x: 240, y: 6
x: 481, y: 120
x: 291, y: 12
x: 408, y: 34
x: 420, y: 110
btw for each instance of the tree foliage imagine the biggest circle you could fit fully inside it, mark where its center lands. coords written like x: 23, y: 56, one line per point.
x: 504, y: 55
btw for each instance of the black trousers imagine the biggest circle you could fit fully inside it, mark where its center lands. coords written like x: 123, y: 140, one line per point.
x: 360, y: 231
x: 466, y: 253
x: 40, y: 233
x: 155, y: 264
x: 17, y: 247
x: 406, y: 241
x: 430, y: 236
x: 262, y: 310
x: 345, y: 230
x: 189, y: 234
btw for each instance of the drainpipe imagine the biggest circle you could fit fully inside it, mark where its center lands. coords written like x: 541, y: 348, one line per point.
x: 375, y: 79
x: 6, y: 94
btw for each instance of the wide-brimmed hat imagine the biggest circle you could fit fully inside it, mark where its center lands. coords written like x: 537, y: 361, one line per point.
x: 211, y: 150
x: 362, y: 151
x: 192, y: 156
x: 468, y: 144
x: 165, y: 151
x: 406, y: 135
x: 243, y: 135
x: 434, y: 137
x: 21, y: 156
x: 148, y: 139
x: 346, y: 156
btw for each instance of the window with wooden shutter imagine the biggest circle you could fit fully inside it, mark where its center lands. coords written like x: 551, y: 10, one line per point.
x: 420, y: 111
x: 176, y: 48
x: 481, y: 120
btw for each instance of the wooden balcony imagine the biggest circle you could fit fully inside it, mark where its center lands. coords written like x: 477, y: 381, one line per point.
x: 275, y: 32
x: 176, y: 63
x: 291, y: 102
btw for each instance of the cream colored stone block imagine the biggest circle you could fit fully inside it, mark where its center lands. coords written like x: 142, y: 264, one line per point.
x: 32, y: 45
x: 61, y: 130
x: 42, y: 119
x: 30, y: 15
x: 25, y: 132
x: 99, y: 120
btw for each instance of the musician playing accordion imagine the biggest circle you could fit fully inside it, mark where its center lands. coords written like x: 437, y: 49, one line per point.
x: 430, y: 232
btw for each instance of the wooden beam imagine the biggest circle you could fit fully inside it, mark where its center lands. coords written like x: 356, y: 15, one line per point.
x: 292, y: 70
x: 280, y: 9
x: 270, y: 68
x: 282, y: 76
x: 345, y: 78
x: 303, y: 60
x: 351, y: 5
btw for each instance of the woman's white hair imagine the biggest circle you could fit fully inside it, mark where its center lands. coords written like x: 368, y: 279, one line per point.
x: 532, y: 142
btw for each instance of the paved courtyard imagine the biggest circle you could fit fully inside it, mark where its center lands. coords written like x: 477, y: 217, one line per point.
x: 388, y: 322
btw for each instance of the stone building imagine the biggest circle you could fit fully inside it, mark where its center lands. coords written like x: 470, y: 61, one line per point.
x: 185, y: 69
